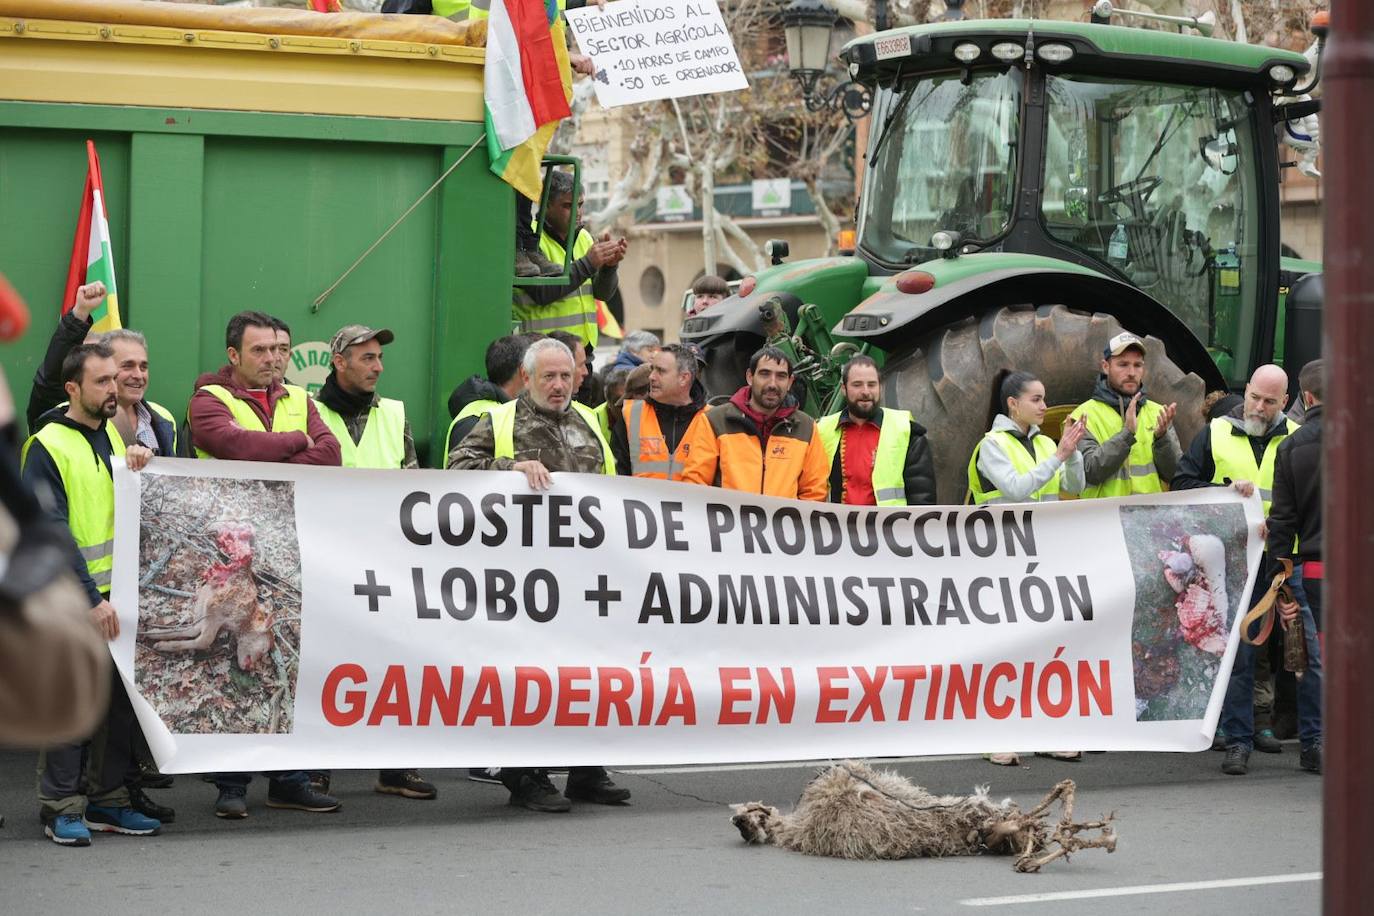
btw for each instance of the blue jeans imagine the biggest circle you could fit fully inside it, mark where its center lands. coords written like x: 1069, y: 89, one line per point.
x: 1238, y: 710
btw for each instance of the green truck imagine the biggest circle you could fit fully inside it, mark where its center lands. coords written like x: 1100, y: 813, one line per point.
x: 1031, y: 188
x: 249, y: 157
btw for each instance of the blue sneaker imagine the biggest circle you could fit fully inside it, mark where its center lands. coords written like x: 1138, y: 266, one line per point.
x: 121, y: 820
x: 67, y: 830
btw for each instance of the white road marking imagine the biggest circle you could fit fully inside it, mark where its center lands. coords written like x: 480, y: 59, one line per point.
x: 1143, y: 889
x: 783, y: 765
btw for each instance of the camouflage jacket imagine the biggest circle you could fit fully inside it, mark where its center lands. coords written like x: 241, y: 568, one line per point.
x: 560, y: 441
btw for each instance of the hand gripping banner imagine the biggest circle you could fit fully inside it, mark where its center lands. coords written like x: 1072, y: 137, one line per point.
x: 281, y: 617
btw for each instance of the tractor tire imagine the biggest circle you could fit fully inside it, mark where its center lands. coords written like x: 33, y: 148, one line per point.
x: 946, y: 377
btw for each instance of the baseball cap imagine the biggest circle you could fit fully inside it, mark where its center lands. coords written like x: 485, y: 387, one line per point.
x: 1121, y: 343
x: 351, y: 334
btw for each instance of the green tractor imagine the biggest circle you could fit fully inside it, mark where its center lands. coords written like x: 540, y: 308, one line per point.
x: 1031, y: 188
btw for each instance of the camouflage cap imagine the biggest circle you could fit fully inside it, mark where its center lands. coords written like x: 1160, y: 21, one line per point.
x: 351, y: 334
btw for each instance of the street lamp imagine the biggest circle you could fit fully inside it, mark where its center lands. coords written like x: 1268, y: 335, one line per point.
x: 808, y: 25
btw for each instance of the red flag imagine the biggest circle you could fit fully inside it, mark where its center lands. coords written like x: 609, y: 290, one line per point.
x: 326, y: 6
x: 538, y: 62
x: 81, y: 244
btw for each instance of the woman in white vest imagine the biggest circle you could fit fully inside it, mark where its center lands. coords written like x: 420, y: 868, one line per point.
x: 1015, y: 463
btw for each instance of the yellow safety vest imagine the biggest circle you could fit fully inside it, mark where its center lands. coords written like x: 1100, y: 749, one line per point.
x: 90, y: 497
x: 503, y: 432
x: 471, y: 409
x: 894, y: 436
x: 117, y: 441
x: 1137, y: 473
x: 1235, y: 459
x: 574, y: 313
x: 383, y: 445
x: 1021, y: 462
x: 603, y: 418
x: 291, y: 413
x: 469, y: 9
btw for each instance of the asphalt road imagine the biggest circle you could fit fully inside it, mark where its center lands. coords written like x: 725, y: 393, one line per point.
x: 1192, y: 841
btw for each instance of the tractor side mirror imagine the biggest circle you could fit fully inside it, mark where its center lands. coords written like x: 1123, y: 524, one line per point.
x: 1219, y: 153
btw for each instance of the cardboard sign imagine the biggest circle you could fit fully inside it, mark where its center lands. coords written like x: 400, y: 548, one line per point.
x: 645, y: 50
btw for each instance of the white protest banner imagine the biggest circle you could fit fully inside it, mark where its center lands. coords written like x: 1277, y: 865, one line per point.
x: 645, y: 50
x: 281, y: 617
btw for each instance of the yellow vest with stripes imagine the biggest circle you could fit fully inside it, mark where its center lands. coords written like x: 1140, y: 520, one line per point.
x: 383, y: 445
x: 503, y: 432
x: 90, y: 497
x: 1137, y: 473
x: 574, y: 313
x: 1021, y: 462
x: 894, y: 436
x: 1235, y: 459
x: 290, y: 415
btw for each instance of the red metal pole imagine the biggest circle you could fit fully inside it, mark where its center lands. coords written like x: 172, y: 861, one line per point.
x: 1348, y: 137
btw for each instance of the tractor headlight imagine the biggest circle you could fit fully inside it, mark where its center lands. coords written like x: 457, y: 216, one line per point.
x: 1282, y: 74
x: 944, y: 240
x: 1008, y: 51
x: 967, y: 52
x: 1054, y: 53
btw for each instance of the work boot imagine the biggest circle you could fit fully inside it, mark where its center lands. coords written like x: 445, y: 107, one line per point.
x: 149, y: 777
x: 1237, y: 762
x: 300, y: 798
x: 123, y: 820
x: 1310, y: 758
x: 1266, y: 743
x: 536, y: 792
x: 140, y: 802
x: 406, y: 783
x: 596, y: 788
x: 534, y: 264
x: 67, y: 830
x: 231, y: 803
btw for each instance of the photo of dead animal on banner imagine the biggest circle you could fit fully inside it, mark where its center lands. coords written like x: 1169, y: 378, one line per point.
x: 851, y: 811
x: 1189, y: 584
x: 219, y: 604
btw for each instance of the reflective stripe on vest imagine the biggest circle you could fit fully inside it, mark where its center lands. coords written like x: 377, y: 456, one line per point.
x: 574, y: 313
x: 1235, y: 459
x: 90, y: 497
x: 649, y: 455
x: 1021, y: 462
x: 1137, y: 473
x: 503, y: 432
x: 470, y: 409
x: 383, y: 445
x: 291, y: 413
x: 889, y: 462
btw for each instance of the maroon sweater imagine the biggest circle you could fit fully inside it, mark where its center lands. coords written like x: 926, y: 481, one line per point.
x: 214, y: 429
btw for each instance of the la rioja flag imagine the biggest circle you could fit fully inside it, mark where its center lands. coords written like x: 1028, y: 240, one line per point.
x: 92, y: 257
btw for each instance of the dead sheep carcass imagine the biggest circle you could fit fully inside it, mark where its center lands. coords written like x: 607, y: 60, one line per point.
x: 851, y: 811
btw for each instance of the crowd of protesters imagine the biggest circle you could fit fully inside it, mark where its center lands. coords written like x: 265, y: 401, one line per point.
x: 539, y: 409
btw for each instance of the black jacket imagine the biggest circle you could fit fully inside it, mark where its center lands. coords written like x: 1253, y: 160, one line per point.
x: 1297, y: 506
x: 673, y: 421
x: 1197, y: 467
x: 918, y: 473
x: 47, y: 390
x: 42, y: 476
x: 475, y: 388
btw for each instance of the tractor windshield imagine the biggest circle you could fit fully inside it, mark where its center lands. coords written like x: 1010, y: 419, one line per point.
x: 1160, y: 183
x: 948, y: 161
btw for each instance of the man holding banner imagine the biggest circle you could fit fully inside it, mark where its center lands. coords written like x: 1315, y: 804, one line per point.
x: 68, y: 463
x: 1240, y: 450
x: 543, y: 431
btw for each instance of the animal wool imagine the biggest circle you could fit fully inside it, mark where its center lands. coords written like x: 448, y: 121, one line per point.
x: 851, y: 811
